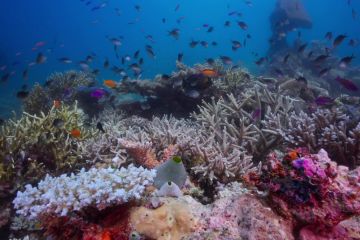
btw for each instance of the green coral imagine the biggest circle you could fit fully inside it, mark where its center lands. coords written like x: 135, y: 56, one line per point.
x: 33, y: 145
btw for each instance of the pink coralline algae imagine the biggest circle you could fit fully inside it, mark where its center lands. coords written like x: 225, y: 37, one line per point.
x: 313, y: 191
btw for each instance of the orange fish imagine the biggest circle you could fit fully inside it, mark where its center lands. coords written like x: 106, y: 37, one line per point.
x: 110, y: 83
x: 75, y: 133
x: 106, y: 235
x: 209, y: 73
x: 57, y: 103
x: 293, y: 155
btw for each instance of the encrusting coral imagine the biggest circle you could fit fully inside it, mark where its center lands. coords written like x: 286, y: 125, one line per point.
x: 310, y: 189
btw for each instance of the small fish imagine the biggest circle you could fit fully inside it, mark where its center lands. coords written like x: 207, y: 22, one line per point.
x: 345, y: 61
x: 193, y: 43
x: 348, y: 84
x: 323, y: 101
x: 141, y: 61
x: 353, y: 42
x: 328, y: 36
x: 99, y: 126
x: 65, y: 60
x: 2, y: 121
x: 110, y: 83
x: 106, y: 63
x: 180, y: 57
x: 235, y: 45
x: 25, y: 74
x: 40, y: 44
x: 40, y: 59
x: 56, y: 104
x: 163, y: 20
x: 204, y: 44
x: 177, y: 7
x: 58, y: 123
x: 227, y: 23
x: 324, y: 71
x: 89, y: 59
x: 75, y: 133
x: 256, y: 114
x: 165, y: 77
x: 22, y: 94
x: 137, y: 8
x: 192, y: 93
x: 213, y: 43
x: 175, y: 33
x: 243, y: 25
x: 210, y: 29
x: 302, y: 48
x: 286, y: 58
x: 260, y: 61
x: 98, y: 93
x: 321, y: 59
x: 98, y: 7
x: 232, y: 13
x: 338, y: 40
x: 226, y: 60
x: 180, y: 19
x: 150, y: 52
x: 84, y: 66
x: 136, y: 54
x: 209, y: 72
x: 210, y: 61
x: 310, y: 54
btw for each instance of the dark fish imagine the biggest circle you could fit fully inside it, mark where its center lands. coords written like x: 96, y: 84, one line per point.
x: 163, y: 20
x: 353, y: 42
x: 278, y: 71
x: 177, y: 8
x: 150, y: 51
x: 141, y: 61
x: 180, y: 57
x: 178, y: 21
x: 338, y: 40
x: 137, y: 7
x: 310, y: 54
x: 248, y: 36
x: 348, y: 84
x: 22, y: 94
x: 99, y: 126
x: 41, y: 58
x: 321, y: 59
x: 329, y: 36
x: 210, y: 61
x: 96, y: 71
x: 232, y: 13
x: 227, y: 23
x: 324, y: 71
x: 243, y: 25
x: 89, y: 59
x: 226, y: 60
x: 106, y: 63
x: 136, y: 54
x: 213, y: 43
x: 193, y: 43
x: 210, y: 29
x: 235, y: 45
x: 165, y: 77
x: 25, y: 74
x: 260, y: 61
x: 286, y: 58
x: 65, y: 60
x: 302, y: 48
x: 175, y: 33
x: 204, y: 44
x: 323, y: 100
x: 2, y: 121
x: 58, y: 123
x: 256, y: 114
x: 346, y: 60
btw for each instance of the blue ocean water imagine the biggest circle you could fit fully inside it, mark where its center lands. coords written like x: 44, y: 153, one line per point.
x: 76, y: 29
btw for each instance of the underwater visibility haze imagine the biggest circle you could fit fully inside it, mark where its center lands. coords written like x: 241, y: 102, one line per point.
x: 206, y: 119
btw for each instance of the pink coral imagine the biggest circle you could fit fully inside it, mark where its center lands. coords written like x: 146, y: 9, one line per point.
x: 312, y: 189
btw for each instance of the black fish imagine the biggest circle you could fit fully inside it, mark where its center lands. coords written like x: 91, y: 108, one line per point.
x: 324, y: 71
x: 2, y: 121
x: 175, y: 33
x: 180, y: 57
x: 214, y: 43
x: 302, y: 48
x: 22, y: 94
x: 41, y: 58
x: 163, y: 20
x: 320, y: 59
x: 338, y: 40
x: 227, y: 24
x: 106, y: 63
x: 346, y: 60
x: 286, y: 58
x: 193, y: 43
x: 165, y: 77
x: 210, y: 61
x: 58, y: 123
x: 226, y: 60
x: 141, y: 61
x: 210, y: 29
x: 136, y: 54
x: 328, y: 36
x: 99, y: 126
x: 260, y: 61
x: 25, y: 74
x: 243, y: 25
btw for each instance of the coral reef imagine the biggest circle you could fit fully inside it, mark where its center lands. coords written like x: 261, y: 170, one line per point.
x: 59, y: 86
x: 98, y: 188
x: 325, y: 128
x: 310, y: 189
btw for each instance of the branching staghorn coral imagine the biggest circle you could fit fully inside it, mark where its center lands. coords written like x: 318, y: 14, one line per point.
x: 33, y: 144
x: 98, y: 188
x: 237, y: 132
x: 328, y: 129
x: 59, y: 86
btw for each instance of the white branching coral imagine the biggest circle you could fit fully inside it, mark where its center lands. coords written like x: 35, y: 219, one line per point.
x: 96, y: 188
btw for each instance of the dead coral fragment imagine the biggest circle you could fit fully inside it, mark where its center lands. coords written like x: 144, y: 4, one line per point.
x: 173, y: 220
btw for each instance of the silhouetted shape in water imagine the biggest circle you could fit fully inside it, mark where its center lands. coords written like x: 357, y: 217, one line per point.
x: 287, y: 16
